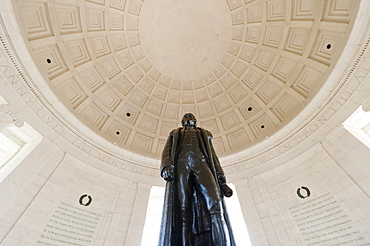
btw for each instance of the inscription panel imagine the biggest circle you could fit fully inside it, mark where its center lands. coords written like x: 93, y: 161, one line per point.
x: 70, y: 225
x: 325, y: 220
x: 312, y: 201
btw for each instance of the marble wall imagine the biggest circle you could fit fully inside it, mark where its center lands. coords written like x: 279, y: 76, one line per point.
x: 318, y: 198
x: 53, y: 198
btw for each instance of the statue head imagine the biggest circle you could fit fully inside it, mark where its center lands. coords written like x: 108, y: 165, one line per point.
x: 188, y: 120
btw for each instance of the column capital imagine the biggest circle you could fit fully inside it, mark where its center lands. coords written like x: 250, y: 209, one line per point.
x: 8, y: 116
x: 366, y: 105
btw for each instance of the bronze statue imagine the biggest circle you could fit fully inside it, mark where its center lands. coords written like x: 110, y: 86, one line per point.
x: 194, y: 212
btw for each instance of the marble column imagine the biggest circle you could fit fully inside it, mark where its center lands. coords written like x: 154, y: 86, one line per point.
x: 248, y: 206
x: 136, y: 225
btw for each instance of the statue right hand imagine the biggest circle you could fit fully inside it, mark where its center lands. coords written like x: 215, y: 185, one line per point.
x: 168, y: 173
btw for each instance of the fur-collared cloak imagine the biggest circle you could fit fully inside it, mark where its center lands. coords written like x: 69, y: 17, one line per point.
x: 170, y: 231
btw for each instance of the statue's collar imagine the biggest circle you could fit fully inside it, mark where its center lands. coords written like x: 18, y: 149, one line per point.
x: 188, y: 127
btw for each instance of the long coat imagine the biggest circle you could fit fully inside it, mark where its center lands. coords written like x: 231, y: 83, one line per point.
x: 169, y: 231
x: 174, y: 142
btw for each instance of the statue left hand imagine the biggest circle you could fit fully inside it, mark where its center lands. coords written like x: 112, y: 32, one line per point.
x: 221, y: 178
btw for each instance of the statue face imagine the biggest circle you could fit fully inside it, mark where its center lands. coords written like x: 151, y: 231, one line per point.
x: 189, y: 120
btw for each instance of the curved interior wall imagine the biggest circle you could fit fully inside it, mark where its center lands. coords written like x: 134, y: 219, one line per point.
x: 321, y: 157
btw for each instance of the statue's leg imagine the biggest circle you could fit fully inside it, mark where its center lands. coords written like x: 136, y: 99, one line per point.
x: 207, y: 186
x: 184, y: 198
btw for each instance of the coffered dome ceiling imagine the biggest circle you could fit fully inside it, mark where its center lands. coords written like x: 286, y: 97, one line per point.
x: 130, y: 69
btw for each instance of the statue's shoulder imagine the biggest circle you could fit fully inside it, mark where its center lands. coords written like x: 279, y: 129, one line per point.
x: 205, y: 131
x: 175, y: 131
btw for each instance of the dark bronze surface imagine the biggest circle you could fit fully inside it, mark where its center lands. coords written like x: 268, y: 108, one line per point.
x: 194, y: 212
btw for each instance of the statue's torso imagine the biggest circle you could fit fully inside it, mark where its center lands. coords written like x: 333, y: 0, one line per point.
x: 190, y: 148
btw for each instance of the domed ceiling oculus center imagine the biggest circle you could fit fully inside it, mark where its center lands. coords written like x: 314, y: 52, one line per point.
x: 130, y: 69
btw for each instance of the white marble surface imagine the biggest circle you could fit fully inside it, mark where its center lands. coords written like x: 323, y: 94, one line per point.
x: 321, y: 155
